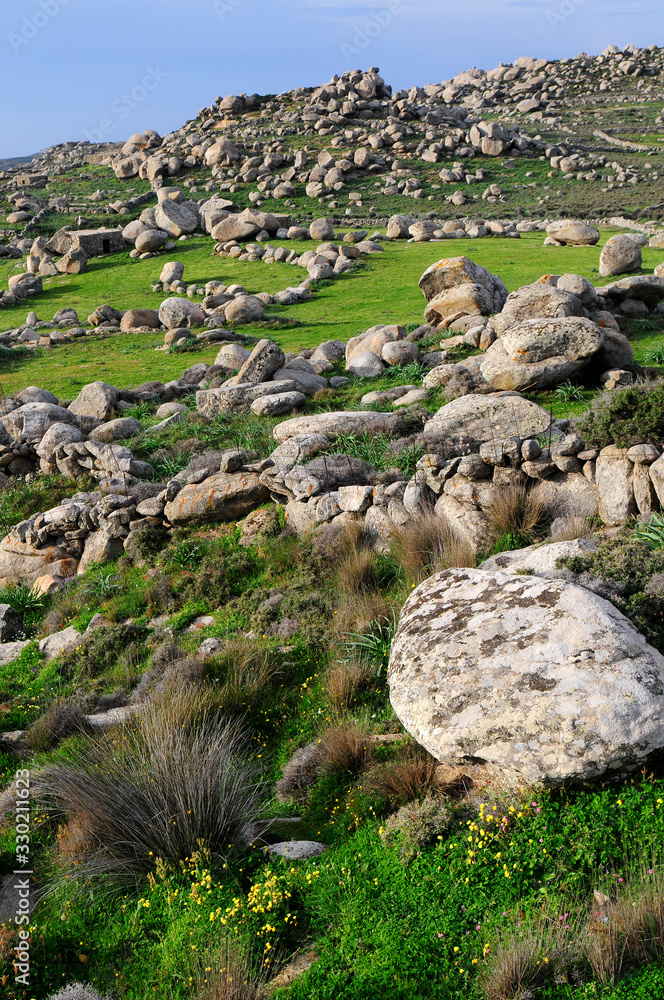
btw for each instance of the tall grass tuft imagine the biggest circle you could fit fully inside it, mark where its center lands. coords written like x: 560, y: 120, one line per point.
x: 345, y: 681
x: 345, y: 749
x: 243, y: 673
x: 516, y: 515
x: 520, y: 964
x: 428, y: 544
x: 227, y: 972
x: 629, y: 931
x: 414, y: 776
x: 175, y: 778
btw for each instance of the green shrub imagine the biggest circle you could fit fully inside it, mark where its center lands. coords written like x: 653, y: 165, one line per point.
x: 625, y: 417
x: 224, y: 572
x: 150, y: 540
x: 100, y: 650
x: 187, y: 613
x: 630, y: 574
x: 416, y: 826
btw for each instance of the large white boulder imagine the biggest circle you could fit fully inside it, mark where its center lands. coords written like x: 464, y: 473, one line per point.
x: 540, y: 678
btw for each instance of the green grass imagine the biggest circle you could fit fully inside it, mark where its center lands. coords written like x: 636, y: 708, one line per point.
x: 383, y: 290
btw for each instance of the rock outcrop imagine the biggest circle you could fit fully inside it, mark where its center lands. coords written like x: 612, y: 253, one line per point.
x: 541, y: 678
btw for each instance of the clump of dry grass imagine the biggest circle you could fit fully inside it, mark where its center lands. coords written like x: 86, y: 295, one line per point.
x: 517, y: 511
x: 344, y: 749
x: 61, y: 719
x: 360, y: 582
x: 242, y: 674
x: 228, y: 973
x: 522, y: 962
x: 567, y: 529
x: 428, y: 544
x: 176, y: 777
x: 357, y: 570
x: 629, y: 931
x: 345, y: 681
x: 415, y: 776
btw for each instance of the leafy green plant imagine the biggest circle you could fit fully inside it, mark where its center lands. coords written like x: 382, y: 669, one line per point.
x: 625, y: 416
x: 373, y: 646
x: 646, y: 325
x: 567, y: 392
x: 372, y: 448
x: 653, y: 356
x: 100, y: 650
x: 100, y: 582
x: 651, y: 532
x: 139, y: 411
x: 169, y: 466
x: 29, y: 603
x: 414, y: 372
x: 188, y: 553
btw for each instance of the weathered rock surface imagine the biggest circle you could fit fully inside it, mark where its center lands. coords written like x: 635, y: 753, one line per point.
x: 540, y: 560
x: 541, y: 352
x: 476, y: 419
x: 541, y: 678
x: 97, y: 399
x: 222, y: 497
x: 176, y: 312
x: 452, y: 272
x: 539, y: 300
x: 573, y: 233
x: 619, y: 255
x: 348, y: 421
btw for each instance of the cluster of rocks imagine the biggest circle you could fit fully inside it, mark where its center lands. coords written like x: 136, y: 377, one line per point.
x: 268, y: 382
x: 406, y: 227
x: 539, y: 335
x: 476, y: 446
x: 40, y: 433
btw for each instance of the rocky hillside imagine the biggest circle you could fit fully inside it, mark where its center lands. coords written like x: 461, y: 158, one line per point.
x: 538, y: 138
x: 332, y: 649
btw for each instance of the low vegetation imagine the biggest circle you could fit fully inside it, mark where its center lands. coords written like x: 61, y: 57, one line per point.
x: 433, y: 884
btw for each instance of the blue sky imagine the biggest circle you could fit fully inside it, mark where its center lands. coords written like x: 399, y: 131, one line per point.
x: 75, y: 69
